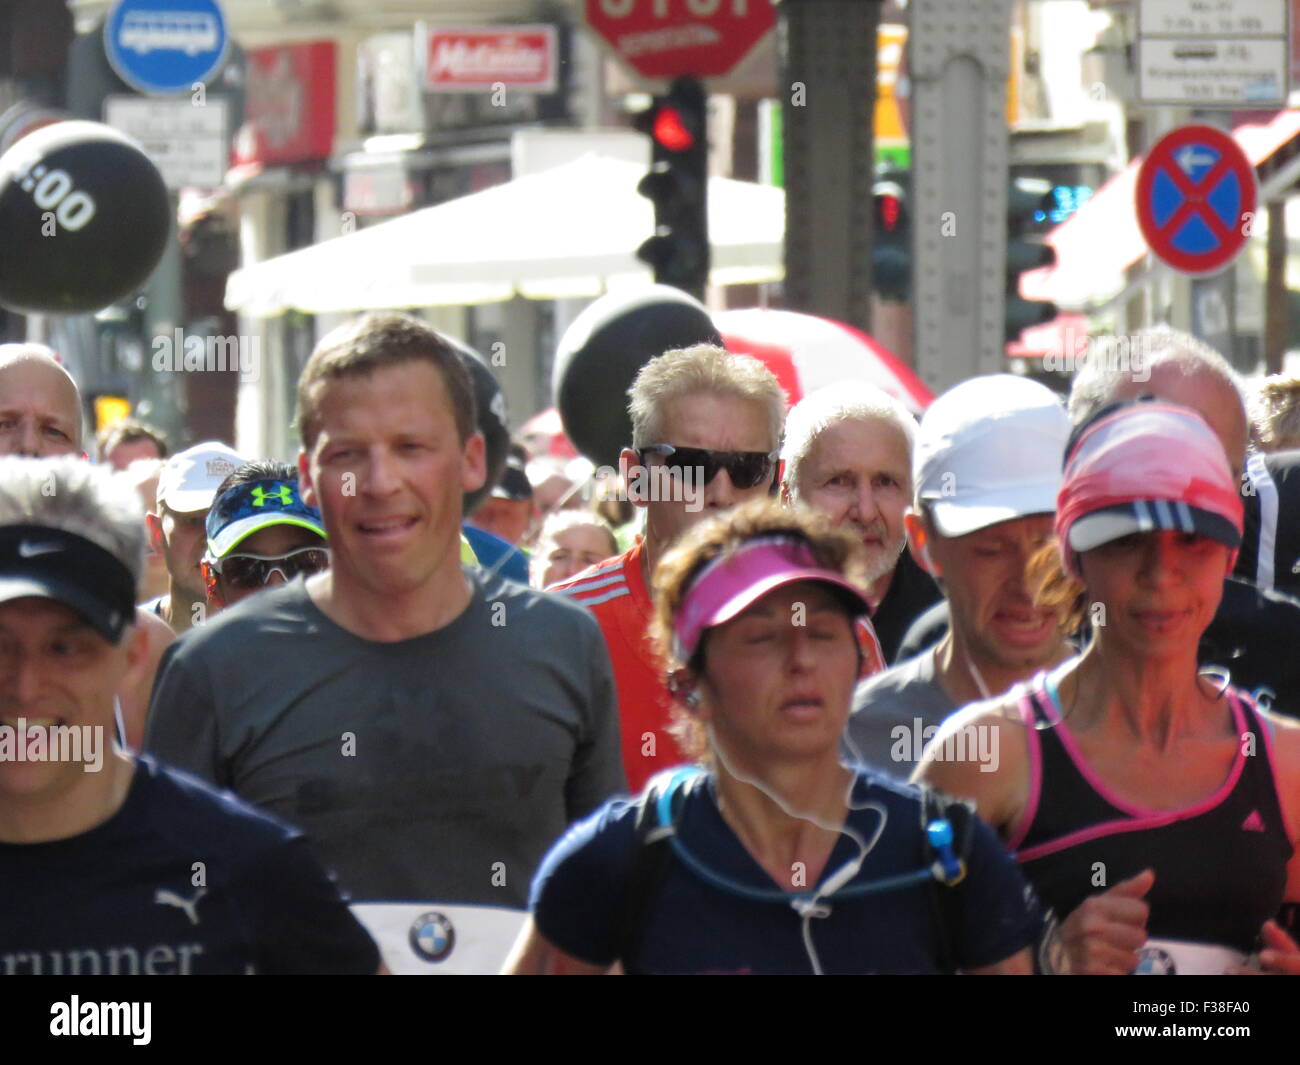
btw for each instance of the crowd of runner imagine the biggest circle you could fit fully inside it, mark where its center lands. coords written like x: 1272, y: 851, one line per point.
x: 1006, y: 689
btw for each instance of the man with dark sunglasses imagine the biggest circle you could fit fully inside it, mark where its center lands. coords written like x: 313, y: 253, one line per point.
x: 260, y: 532
x: 706, y: 428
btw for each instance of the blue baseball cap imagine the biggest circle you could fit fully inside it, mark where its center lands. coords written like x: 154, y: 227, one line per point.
x: 244, y: 509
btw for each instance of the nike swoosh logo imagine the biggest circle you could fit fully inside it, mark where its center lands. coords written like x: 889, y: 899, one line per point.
x: 27, y: 549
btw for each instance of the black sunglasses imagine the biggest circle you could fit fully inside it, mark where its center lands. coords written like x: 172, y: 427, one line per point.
x: 253, y: 571
x: 747, y: 469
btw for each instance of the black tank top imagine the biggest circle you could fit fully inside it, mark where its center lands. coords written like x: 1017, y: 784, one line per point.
x: 1220, y: 864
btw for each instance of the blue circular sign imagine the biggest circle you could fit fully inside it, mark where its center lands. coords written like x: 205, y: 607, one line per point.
x: 165, y: 46
x: 1196, y: 199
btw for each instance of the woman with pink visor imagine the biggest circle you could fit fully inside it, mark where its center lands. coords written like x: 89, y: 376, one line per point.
x: 769, y: 854
x: 1154, y: 808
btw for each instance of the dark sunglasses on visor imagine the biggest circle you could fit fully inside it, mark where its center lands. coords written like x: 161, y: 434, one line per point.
x: 747, y: 469
x: 253, y: 571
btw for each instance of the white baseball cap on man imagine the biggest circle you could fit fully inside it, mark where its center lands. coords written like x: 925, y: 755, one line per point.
x: 990, y: 450
x: 189, y: 480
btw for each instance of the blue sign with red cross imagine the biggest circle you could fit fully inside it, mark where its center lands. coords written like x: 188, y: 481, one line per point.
x: 1196, y: 199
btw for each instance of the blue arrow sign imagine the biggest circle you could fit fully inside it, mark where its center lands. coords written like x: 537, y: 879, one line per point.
x: 165, y: 46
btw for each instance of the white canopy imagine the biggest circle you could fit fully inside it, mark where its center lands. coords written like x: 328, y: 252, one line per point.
x: 571, y: 231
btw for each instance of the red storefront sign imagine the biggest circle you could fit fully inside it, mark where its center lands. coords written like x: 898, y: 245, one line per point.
x: 477, y: 59
x: 289, y: 105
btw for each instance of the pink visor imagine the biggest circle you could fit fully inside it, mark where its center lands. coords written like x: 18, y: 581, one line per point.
x: 1147, y: 466
x: 731, y: 583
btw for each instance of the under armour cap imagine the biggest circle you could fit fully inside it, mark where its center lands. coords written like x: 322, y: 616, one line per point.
x: 989, y: 450
x: 1142, y: 467
x: 48, y: 563
x: 249, y: 507
x: 189, y: 480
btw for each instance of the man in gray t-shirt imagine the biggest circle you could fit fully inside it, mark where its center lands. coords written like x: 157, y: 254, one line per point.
x: 433, y: 730
x: 986, y: 469
x: 897, y: 708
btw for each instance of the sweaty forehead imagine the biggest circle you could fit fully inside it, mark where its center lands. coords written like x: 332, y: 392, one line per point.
x: 36, y: 386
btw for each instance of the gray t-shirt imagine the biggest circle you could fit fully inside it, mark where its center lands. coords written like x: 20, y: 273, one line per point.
x: 435, y: 769
x: 891, y: 712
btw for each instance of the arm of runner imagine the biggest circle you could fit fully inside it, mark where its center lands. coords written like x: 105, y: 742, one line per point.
x: 999, y: 785
x: 1104, y: 933
x: 534, y: 955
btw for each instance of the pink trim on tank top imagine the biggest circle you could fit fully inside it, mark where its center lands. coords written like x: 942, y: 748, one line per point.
x: 1106, y: 828
x: 1266, y: 730
x: 1144, y: 818
x: 1035, y: 767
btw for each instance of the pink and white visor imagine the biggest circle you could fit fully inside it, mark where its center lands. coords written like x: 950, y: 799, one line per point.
x: 1146, y: 466
x: 731, y: 583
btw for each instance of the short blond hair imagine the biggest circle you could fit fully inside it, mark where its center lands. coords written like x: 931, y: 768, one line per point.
x: 701, y: 369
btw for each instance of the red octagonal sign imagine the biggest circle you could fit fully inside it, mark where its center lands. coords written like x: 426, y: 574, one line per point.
x: 681, y: 38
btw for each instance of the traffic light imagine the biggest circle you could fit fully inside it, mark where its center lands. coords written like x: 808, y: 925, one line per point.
x: 891, y: 251
x: 1029, y: 202
x: 677, y: 185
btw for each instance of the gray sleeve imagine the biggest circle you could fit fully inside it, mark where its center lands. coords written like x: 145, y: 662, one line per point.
x: 868, y: 740
x: 182, y: 726
x: 597, y: 770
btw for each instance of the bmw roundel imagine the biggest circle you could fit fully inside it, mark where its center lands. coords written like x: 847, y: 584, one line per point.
x: 1152, y: 961
x: 432, y: 936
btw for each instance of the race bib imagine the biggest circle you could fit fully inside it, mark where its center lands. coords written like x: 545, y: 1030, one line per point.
x: 418, y: 938
x: 1172, y: 957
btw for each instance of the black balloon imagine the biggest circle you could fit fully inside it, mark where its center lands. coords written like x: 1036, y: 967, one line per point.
x: 84, y: 218
x: 601, y: 352
x: 493, y: 423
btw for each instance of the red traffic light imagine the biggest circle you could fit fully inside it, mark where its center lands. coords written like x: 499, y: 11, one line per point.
x: 889, y: 211
x: 671, y: 132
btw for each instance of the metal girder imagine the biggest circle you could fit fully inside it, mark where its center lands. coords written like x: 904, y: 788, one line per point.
x: 828, y: 93
x: 958, y: 61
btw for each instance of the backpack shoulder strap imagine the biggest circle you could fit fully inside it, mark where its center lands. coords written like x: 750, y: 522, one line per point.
x: 655, y: 824
x: 961, y: 816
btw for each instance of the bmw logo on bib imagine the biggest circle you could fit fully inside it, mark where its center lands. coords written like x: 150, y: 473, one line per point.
x: 1152, y: 961
x: 432, y: 937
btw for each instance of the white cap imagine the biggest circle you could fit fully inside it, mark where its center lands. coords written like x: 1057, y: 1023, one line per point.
x: 990, y: 450
x: 188, y: 481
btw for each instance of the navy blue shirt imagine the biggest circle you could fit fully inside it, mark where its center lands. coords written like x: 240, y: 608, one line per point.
x: 181, y: 880
x: 694, y: 927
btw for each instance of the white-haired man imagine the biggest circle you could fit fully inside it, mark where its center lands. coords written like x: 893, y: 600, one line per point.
x: 706, y: 426
x: 848, y: 454
x: 111, y: 863
x: 40, y: 416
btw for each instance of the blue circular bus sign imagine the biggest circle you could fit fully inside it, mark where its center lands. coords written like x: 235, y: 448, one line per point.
x: 165, y: 46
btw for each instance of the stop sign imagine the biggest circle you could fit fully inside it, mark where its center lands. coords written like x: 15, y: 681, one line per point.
x: 681, y: 38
